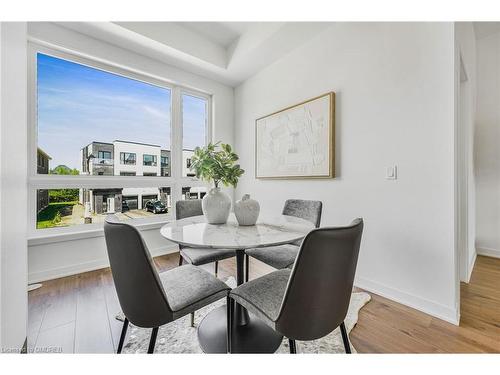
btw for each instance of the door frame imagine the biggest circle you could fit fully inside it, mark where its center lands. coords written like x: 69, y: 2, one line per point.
x: 465, y: 253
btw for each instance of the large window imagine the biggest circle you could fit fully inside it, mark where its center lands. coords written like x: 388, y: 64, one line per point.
x: 165, y: 166
x: 127, y: 158
x: 107, y: 131
x: 106, y: 155
x: 82, y: 112
x: 149, y: 160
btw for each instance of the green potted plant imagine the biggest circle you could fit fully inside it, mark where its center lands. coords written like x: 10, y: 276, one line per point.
x: 216, y: 163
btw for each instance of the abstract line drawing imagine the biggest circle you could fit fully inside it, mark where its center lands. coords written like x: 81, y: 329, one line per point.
x: 298, y: 141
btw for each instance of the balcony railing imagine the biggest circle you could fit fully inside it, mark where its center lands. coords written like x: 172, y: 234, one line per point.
x: 100, y: 161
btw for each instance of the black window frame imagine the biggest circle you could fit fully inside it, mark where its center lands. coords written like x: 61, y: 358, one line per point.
x: 154, y: 162
x: 125, y: 161
x: 101, y: 155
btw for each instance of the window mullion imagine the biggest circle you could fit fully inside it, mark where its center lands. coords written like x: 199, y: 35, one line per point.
x: 176, y: 143
x: 89, y: 182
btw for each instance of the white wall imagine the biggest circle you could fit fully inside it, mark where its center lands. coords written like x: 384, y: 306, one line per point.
x: 488, y: 141
x: 13, y: 186
x: 395, y: 105
x: 68, y: 257
x: 48, y: 259
x: 139, y: 150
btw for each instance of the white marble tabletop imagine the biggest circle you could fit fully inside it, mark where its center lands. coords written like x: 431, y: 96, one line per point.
x: 269, y: 231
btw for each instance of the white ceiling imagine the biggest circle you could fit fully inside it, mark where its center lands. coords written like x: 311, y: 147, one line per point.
x: 483, y: 29
x: 222, y: 33
x: 239, y: 27
x: 229, y: 52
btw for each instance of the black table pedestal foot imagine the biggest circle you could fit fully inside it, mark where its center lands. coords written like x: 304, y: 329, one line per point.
x: 253, y: 337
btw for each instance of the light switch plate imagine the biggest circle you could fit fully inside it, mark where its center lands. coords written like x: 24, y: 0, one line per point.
x: 391, y: 173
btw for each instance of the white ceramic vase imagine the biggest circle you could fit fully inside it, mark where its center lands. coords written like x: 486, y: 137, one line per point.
x: 216, y: 206
x: 246, y: 210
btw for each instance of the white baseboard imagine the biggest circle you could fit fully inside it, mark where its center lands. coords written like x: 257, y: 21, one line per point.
x: 74, y: 269
x: 446, y: 313
x: 486, y: 251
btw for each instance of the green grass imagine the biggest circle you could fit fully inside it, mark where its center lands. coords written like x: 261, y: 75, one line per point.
x: 45, y: 218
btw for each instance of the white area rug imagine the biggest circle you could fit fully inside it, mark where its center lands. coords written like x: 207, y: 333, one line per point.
x: 180, y: 337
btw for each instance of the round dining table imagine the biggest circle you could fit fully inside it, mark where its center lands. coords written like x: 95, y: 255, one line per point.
x: 249, y: 333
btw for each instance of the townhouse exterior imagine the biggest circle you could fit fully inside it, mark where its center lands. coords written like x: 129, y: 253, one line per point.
x: 125, y: 158
x: 42, y: 167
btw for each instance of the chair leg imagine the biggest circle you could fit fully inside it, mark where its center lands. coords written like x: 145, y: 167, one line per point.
x: 229, y: 306
x: 152, y: 341
x: 345, y: 338
x: 122, y: 336
x: 180, y: 259
x: 216, y: 267
x: 192, y: 319
x: 247, y: 267
x: 293, y: 346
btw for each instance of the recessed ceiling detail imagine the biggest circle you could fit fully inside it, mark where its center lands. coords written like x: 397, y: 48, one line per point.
x: 229, y: 52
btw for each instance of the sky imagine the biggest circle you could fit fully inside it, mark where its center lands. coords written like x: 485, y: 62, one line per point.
x: 78, y: 105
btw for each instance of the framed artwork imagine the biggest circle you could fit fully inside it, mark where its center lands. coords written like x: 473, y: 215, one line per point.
x: 298, y: 141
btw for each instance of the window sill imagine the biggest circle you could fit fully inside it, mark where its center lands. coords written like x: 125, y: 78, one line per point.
x: 37, y: 239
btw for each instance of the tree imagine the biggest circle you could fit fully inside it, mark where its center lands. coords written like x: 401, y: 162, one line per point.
x: 64, y: 170
x: 63, y: 195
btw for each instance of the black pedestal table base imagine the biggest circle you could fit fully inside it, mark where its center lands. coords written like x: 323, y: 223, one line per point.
x: 249, y: 334
x: 253, y: 337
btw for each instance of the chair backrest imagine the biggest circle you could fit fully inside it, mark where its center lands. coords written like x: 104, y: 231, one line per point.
x: 188, y: 208
x: 139, y: 289
x: 320, y: 285
x: 304, y: 209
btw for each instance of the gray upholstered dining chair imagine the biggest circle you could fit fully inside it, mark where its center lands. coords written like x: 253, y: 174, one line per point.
x: 310, y: 300
x: 195, y: 256
x: 149, y: 299
x: 284, y: 256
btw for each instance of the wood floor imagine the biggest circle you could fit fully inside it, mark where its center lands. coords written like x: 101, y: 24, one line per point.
x: 76, y: 314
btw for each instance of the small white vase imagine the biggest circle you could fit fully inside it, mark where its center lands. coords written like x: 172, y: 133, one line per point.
x: 216, y: 206
x: 246, y: 210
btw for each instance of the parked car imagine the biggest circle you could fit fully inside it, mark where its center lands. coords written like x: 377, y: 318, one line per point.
x: 156, y: 207
x: 125, y: 206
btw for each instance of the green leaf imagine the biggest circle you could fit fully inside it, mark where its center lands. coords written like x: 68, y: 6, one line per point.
x: 216, y: 165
